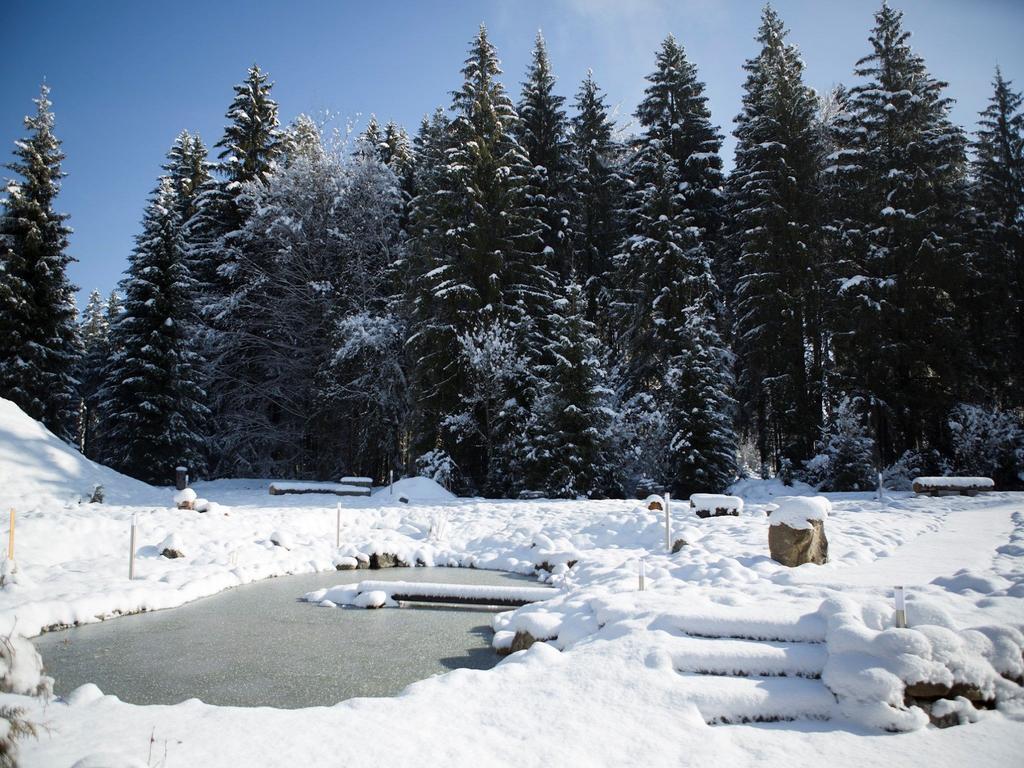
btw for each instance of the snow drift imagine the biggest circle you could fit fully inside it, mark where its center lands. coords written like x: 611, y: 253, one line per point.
x: 37, y: 465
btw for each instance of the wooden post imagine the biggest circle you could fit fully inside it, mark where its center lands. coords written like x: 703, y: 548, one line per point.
x: 131, y: 553
x: 10, y: 544
x: 668, y: 523
x: 181, y: 478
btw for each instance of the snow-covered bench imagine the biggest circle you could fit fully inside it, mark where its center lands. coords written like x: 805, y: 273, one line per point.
x: 337, y: 489
x: 715, y: 504
x: 965, y: 486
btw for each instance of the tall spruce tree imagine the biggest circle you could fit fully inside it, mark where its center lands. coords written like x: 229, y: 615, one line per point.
x: 669, y: 303
x: 898, y: 197
x: 95, y: 334
x: 599, y: 188
x: 250, y: 149
x: 995, y: 305
x: 542, y: 132
x: 39, y: 342
x: 777, y: 255
x: 478, y: 242
x: 571, y: 445
x: 152, y: 401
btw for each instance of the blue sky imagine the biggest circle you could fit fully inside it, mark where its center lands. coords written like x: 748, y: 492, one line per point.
x: 126, y: 77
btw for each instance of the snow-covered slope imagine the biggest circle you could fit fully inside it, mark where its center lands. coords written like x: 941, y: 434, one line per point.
x: 38, y: 467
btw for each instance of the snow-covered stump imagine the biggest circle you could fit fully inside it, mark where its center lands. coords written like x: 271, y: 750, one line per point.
x: 965, y: 486
x: 797, y: 531
x: 715, y: 505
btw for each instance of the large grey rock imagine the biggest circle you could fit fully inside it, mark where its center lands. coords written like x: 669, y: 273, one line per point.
x: 796, y: 546
x: 386, y: 560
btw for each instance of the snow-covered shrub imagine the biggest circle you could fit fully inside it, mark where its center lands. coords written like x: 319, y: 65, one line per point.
x: 21, y: 672
x: 438, y: 466
x: 644, y: 434
x: 899, y: 476
x: 845, y: 459
x: 987, y: 442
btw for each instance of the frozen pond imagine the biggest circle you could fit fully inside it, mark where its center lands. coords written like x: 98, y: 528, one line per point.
x: 257, y: 645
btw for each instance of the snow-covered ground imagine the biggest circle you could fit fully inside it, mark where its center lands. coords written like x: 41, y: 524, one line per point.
x: 721, y: 634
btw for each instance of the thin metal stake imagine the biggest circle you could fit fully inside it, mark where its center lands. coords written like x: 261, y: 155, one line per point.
x: 131, y: 552
x: 337, y: 529
x: 668, y: 523
x: 901, y: 607
x: 643, y: 569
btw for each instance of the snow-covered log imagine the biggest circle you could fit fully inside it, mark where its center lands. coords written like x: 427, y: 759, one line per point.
x: 965, y: 486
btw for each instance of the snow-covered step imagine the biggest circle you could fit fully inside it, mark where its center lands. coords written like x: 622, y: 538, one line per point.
x: 731, y: 700
x: 469, y: 594
x: 718, y: 656
x: 801, y: 628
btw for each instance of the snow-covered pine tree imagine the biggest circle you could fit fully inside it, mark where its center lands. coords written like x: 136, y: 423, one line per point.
x: 599, y: 188
x: 188, y: 169
x: 674, y: 112
x: 372, y: 141
x: 668, y: 300
x: 542, y: 131
x: 479, y: 244
x: 776, y: 252
x: 95, y: 334
x: 39, y: 342
x: 897, y: 204
x: 571, y: 447
x: 301, y: 137
x: 845, y: 457
x: 995, y: 302
x: 152, y: 402
x: 250, y: 149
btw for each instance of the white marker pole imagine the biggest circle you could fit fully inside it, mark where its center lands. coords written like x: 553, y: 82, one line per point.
x: 643, y: 569
x: 901, y: 607
x: 337, y: 529
x: 131, y: 553
x: 668, y: 523
x: 391, y: 482
x: 880, y: 487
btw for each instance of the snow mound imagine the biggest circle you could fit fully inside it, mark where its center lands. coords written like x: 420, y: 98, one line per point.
x: 418, y: 489
x: 797, y: 511
x: 36, y: 465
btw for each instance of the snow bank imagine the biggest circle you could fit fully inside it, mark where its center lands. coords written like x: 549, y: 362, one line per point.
x: 417, y: 489
x: 797, y: 512
x: 872, y: 665
x: 37, y: 466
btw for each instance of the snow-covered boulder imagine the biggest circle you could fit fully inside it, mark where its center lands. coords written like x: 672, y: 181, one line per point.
x: 282, y: 539
x: 797, y: 532
x: 655, y: 503
x: 171, y: 547
x: 185, y: 499
x: 715, y: 504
